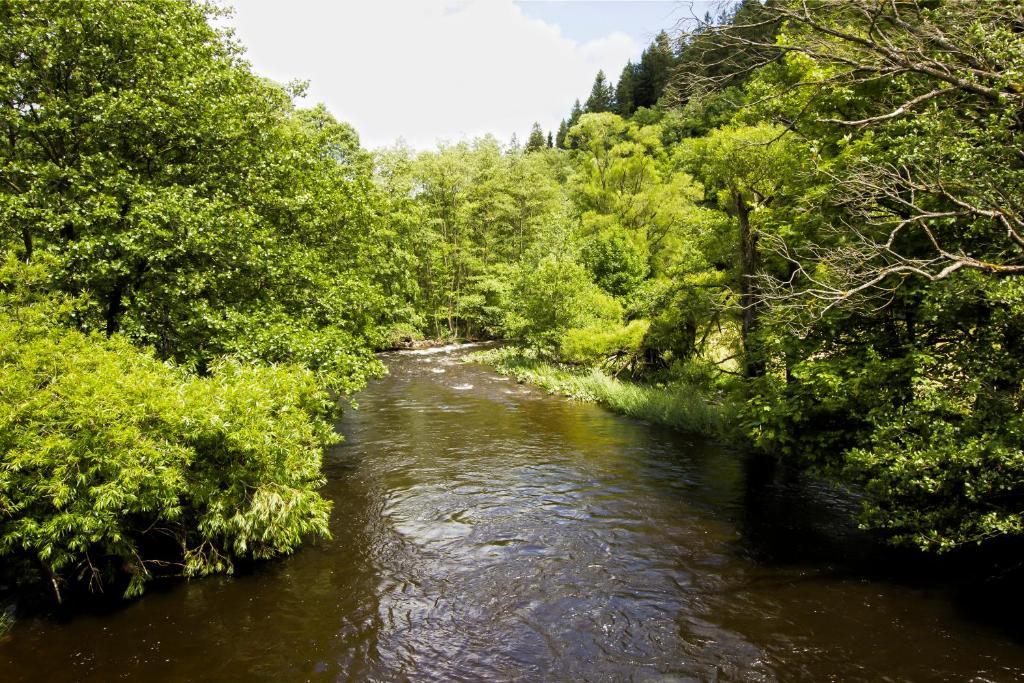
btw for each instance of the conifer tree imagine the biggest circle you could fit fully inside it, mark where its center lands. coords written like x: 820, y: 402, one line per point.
x: 653, y: 72
x: 624, y: 102
x: 602, y: 95
x: 536, y: 140
x: 563, y: 130
x: 551, y: 141
x: 575, y: 114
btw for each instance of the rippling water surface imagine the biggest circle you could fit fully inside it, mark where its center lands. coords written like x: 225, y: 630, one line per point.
x: 485, y: 531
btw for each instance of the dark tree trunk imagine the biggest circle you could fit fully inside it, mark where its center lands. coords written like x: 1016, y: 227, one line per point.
x: 26, y: 238
x: 115, y: 307
x: 754, y: 365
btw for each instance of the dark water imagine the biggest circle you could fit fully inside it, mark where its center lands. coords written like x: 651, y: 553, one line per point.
x: 484, y: 531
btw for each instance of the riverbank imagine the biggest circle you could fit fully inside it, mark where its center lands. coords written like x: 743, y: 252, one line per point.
x: 678, y: 405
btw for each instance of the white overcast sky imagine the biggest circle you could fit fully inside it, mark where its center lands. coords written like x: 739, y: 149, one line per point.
x: 430, y: 70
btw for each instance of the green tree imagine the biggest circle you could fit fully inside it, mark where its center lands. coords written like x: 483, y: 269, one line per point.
x: 750, y: 169
x: 617, y: 260
x: 117, y: 466
x: 653, y: 72
x: 602, y: 95
x: 563, y: 131
x: 555, y: 296
x: 536, y: 141
x: 624, y: 91
x: 184, y: 195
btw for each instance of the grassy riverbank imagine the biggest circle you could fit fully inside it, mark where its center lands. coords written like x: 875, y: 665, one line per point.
x: 679, y: 405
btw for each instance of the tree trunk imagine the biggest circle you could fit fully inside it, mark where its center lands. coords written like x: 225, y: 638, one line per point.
x: 754, y: 365
x: 26, y: 238
x: 115, y: 307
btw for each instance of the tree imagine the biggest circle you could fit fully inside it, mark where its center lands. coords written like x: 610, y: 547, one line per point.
x: 536, y: 140
x: 563, y: 131
x: 602, y: 95
x: 183, y: 195
x: 752, y: 168
x: 624, y: 91
x: 117, y: 467
x: 898, y: 312
x: 159, y: 194
x: 557, y: 295
x: 653, y: 72
x: 574, y: 114
x: 617, y: 260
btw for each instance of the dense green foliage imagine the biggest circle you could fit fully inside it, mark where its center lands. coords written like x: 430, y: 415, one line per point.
x: 110, y: 454
x: 198, y: 275
x: 816, y: 208
x: 797, y: 226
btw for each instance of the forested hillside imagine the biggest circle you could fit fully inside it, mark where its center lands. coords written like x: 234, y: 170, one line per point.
x: 797, y: 226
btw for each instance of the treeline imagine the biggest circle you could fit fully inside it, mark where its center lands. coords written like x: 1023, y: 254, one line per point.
x: 817, y: 226
x: 641, y: 85
x: 812, y: 223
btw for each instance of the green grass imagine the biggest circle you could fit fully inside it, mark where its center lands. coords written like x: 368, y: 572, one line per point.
x: 679, y: 405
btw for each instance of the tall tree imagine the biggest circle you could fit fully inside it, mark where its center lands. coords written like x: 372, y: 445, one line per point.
x: 563, y: 130
x: 654, y: 71
x: 536, y: 140
x: 602, y: 95
x: 624, y: 101
x: 749, y: 168
x: 574, y: 114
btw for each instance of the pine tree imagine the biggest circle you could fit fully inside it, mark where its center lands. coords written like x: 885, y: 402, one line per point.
x: 653, y: 72
x: 624, y: 101
x: 575, y: 114
x: 551, y: 141
x: 602, y: 95
x: 536, y: 140
x: 563, y: 130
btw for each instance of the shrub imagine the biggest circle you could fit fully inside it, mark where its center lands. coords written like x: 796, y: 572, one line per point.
x: 116, y: 465
x: 553, y: 298
x: 596, y: 343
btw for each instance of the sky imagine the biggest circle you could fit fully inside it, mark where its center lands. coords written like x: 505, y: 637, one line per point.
x: 445, y: 70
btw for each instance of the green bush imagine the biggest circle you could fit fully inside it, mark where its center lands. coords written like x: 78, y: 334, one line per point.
x: 116, y: 466
x: 617, y: 260
x: 596, y: 343
x: 554, y: 297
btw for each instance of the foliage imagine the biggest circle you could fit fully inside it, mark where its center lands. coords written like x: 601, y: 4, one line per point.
x: 599, y: 343
x: 801, y: 219
x: 826, y: 196
x: 118, y: 464
x: 194, y: 270
x: 617, y: 263
x: 602, y: 95
x: 556, y: 296
x: 185, y: 196
x: 470, y: 215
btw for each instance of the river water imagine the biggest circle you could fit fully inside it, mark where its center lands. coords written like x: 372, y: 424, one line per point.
x: 486, y: 531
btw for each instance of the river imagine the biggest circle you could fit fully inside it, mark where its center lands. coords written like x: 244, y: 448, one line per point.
x: 483, y: 530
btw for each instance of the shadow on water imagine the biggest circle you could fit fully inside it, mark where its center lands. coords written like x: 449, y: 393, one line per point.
x: 788, y: 519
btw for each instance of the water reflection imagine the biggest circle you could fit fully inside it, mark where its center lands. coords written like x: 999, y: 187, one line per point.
x: 485, y: 531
